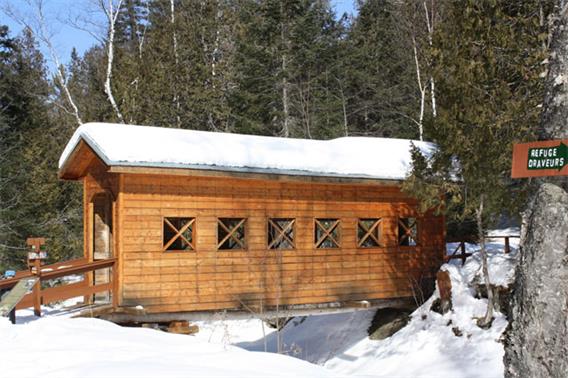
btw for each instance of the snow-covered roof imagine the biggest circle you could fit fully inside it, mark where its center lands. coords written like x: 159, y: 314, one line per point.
x: 145, y: 146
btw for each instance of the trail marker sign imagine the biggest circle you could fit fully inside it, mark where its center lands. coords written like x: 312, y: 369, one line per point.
x: 538, y: 159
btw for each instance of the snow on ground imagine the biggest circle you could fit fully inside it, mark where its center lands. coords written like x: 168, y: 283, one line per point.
x: 426, y: 347
x: 63, y: 347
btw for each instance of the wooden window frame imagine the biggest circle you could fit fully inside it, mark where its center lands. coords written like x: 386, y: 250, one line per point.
x: 179, y: 234
x: 281, y: 233
x: 369, y: 232
x: 408, y: 232
x: 327, y: 233
x: 231, y: 234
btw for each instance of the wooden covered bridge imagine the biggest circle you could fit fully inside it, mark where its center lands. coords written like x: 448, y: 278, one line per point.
x: 200, y: 221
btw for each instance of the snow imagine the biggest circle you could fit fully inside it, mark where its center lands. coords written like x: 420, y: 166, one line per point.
x: 356, y: 157
x: 63, y: 347
x: 428, y: 347
x: 329, y: 345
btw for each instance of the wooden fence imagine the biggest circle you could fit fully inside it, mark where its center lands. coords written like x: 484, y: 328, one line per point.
x: 463, y: 255
x: 39, y: 296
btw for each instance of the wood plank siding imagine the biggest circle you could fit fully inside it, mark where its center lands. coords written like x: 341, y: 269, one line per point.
x: 210, y: 279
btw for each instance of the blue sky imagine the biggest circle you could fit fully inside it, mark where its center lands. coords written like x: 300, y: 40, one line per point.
x: 66, y: 37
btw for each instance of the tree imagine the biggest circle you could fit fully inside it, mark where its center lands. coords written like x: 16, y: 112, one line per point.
x: 37, y: 24
x: 382, y: 73
x: 286, y: 55
x: 488, y: 76
x: 34, y: 202
x: 535, y: 342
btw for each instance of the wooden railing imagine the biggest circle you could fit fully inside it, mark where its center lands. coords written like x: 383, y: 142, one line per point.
x: 463, y: 255
x: 39, y: 296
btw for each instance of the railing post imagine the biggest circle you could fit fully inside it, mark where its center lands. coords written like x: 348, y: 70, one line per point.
x: 507, y: 247
x: 462, y: 248
x: 34, y: 257
x: 114, y: 293
x: 36, y: 291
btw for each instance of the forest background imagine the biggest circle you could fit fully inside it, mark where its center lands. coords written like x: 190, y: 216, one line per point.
x: 465, y: 74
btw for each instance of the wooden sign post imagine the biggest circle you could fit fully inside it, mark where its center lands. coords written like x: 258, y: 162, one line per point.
x: 539, y: 159
x: 34, y: 262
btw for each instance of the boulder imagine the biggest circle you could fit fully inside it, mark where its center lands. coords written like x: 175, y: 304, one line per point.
x: 386, y: 322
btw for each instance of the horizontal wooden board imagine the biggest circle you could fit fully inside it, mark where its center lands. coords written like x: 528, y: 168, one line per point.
x: 210, y: 279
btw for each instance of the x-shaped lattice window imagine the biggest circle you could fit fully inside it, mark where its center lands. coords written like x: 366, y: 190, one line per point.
x: 281, y: 233
x: 368, y: 233
x: 407, y: 231
x: 231, y: 233
x: 179, y: 234
x: 327, y: 233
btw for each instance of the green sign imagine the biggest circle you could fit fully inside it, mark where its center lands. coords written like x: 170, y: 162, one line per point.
x: 548, y: 157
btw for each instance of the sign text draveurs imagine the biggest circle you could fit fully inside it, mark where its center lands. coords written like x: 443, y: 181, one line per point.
x: 538, y: 159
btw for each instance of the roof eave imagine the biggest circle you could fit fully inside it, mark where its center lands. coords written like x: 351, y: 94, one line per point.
x: 249, y: 173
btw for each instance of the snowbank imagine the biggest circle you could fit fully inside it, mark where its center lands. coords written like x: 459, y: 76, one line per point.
x: 129, y: 145
x: 63, y: 347
x: 427, y: 347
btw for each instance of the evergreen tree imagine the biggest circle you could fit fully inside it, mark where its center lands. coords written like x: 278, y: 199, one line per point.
x: 488, y: 74
x: 285, y: 57
x: 381, y: 72
x: 34, y: 202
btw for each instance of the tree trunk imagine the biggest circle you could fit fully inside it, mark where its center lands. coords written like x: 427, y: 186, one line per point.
x: 112, y: 16
x: 285, y: 105
x: 537, y: 340
x: 421, y: 89
x: 488, y: 318
x: 284, y: 68
x: 555, y: 107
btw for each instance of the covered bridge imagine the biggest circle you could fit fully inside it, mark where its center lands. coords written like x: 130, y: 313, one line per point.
x: 203, y: 221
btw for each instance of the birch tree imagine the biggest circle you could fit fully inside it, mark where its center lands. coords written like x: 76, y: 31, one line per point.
x: 111, y: 10
x: 37, y: 23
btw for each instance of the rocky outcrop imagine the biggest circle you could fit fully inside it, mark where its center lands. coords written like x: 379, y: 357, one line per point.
x: 536, y: 344
x: 386, y: 322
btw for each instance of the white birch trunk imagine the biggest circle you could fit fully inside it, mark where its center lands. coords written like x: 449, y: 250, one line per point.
x: 285, y: 108
x: 344, y: 109
x: 421, y: 89
x: 41, y: 32
x: 112, y: 15
x: 430, y: 26
x: 285, y: 100
x: 63, y: 82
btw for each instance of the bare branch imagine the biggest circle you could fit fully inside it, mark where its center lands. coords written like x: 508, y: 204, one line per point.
x: 40, y: 31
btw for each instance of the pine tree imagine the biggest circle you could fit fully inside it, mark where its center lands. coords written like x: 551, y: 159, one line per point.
x: 381, y: 76
x: 34, y: 202
x: 286, y: 54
